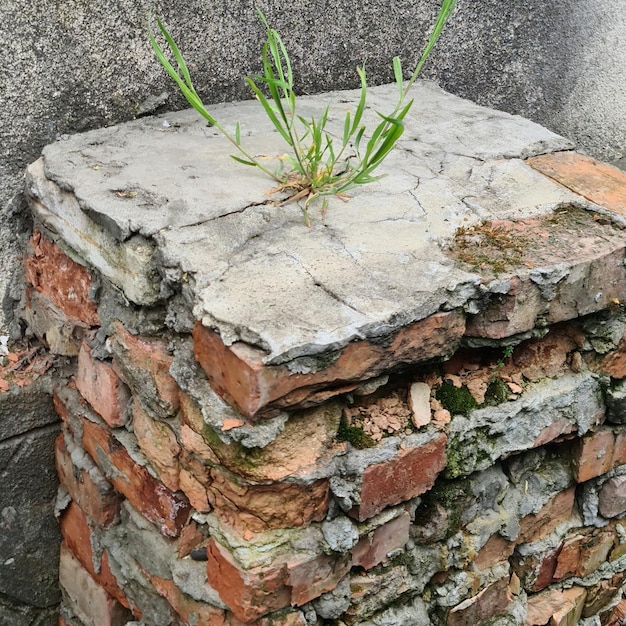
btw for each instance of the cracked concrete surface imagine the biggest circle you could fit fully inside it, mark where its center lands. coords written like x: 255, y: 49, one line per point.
x: 256, y: 273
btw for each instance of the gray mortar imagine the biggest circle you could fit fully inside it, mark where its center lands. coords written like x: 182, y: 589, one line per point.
x: 333, y: 604
x: 412, y: 614
x: 488, y: 434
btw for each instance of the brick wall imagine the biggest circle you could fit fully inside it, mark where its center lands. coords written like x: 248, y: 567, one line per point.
x: 468, y: 468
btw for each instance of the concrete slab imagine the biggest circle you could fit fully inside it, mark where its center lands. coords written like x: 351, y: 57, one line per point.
x: 255, y: 272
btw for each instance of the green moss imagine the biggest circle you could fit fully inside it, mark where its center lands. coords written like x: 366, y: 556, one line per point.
x: 497, y: 393
x: 355, y: 436
x: 457, y: 400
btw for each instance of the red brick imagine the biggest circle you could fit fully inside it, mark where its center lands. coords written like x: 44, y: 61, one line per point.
x: 374, y: 547
x: 548, y: 356
x: 592, y: 454
x: 412, y: 472
x: 195, y: 491
x: 536, y: 572
x: 248, y: 594
x: 102, y: 388
x: 612, y: 497
x: 189, y: 610
x: 51, y: 272
x: 158, y: 442
x: 599, y: 182
x: 86, y: 484
x: 190, y: 538
x: 89, y: 601
x: 491, y: 602
x: 77, y: 536
x: 168, y: 510
x: 598, y: 452
x: 150, y: 355
x: 237, y: 372
x: 536, y: 526
x: 310, y: 579
x: 307, y: 440
x: 257, y: 508
x: 496, y: 550
x: 557, y: 607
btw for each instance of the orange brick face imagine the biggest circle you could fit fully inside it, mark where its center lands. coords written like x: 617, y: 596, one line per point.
x: 412, y: 472
x: 51, y: 272
x: 102, y: 388
x: 239, y: 375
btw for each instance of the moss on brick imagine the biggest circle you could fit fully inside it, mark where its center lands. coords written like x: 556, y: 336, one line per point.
x: 457, y: 400
x: 355, y: 436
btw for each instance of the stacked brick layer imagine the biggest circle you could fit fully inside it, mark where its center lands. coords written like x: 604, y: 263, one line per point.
x: 466, y: 469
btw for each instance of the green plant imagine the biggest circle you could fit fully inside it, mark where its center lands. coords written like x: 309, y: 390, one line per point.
x: 321, y: 164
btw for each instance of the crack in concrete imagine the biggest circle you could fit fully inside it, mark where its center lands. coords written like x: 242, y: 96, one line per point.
x: 324, y: 288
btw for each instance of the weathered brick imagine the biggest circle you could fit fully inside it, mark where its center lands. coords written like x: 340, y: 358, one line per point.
x: 237, y: 372
x: 612, y: 497
x: 257, y: 508
x: 582, y: 553
x: 89, y: 601
x: 102, y: 388
x: 374, y: 547
x: 307, y: 439
x: 85, y: 482
x: 535, y: 526
x: 536, y: 571
x: 158, y: 442
x: 592, y: 454
x: 168, y: 510
x: 195, y: 491
x: 491, y: 602
x: 599, y: 182
x: 190, y: 611
x: 496, y: 550
x: 565, y: 285
x: 144, y: 363
x: 62, y: 333
x: 77, y: 536
x: 248, y: 594
x: 409, y: 474
x: 603, y: 594
x: 67, y: 283
x: 311, y: 578
x: 557, y: 607
x: 615, y: 616
x: 598, y: 452
x: 548, y: 356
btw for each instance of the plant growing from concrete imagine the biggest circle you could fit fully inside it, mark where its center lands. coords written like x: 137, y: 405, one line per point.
x: 320, y: 164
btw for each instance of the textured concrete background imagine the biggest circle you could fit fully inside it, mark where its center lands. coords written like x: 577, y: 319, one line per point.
x: 73, y: 65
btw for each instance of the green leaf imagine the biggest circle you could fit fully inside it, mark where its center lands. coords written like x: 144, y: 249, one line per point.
x: 346, y: 129
x: 238, y: 133
x: 361, y: 106
x: 270, y: 112
x: 397, y: 70
x: 243, y: 161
